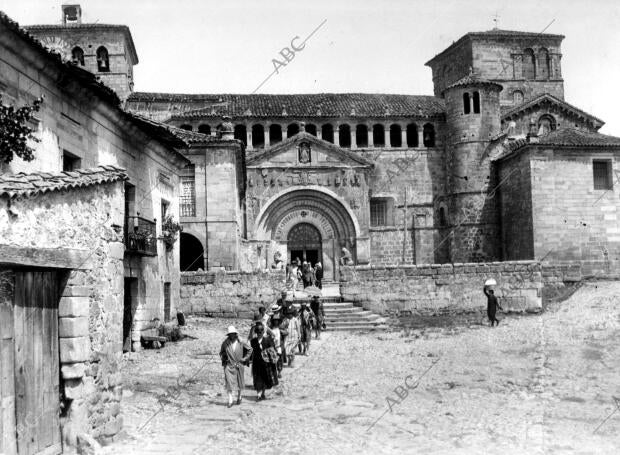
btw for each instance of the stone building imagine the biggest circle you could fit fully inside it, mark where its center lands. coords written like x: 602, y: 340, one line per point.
x: 110, y: 179
x: 393, y: 178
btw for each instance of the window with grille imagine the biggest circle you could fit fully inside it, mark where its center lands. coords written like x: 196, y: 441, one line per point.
x: 187, y: 196
x: 378, y: 212
x: 602, y: 174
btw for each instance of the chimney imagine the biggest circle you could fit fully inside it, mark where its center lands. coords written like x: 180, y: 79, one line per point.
x: 228, y: 130
x: 71, y: 14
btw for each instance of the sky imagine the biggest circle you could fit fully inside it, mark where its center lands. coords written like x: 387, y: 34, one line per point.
x: 371, y: 46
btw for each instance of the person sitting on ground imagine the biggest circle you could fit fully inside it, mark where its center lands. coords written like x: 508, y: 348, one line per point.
x: 316, y: 305
x: 345, y: 257
x: 234, y: 354
x: 294, y: 334
x: 492, y: 305
x: 264, y: 359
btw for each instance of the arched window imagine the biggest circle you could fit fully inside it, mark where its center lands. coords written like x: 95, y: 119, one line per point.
x: 429, y: 135
x: 442, y: 217
x: 546, y: 124
x: 529, y: 65
x: 275, y: 133
x: 77, y: 56
x: 466, y: 103
x: 327, y: 133
x: 412, y: 135
x: 517, y: 97
x: 361, y: 135
x: 204, y: 129
x: 292, y: 130
x: 344, y: 135
x: 241, y: 134
x: 186, y: 127
x: 476, y: 102
x: 311, y: 129
x: 103, y: 60
x: 378, y: 135
x: 543, y: 63
x: 396, y: 138
x: 258, y: 136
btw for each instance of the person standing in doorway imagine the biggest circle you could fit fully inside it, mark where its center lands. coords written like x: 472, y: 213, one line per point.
x: 318, y: 275
x: 234, y: 355
x: 492, y: 305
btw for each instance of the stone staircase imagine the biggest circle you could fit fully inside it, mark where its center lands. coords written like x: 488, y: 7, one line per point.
x: 341, y: 316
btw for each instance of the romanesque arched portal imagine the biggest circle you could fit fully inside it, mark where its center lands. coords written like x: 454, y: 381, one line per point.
x: 309, y: 220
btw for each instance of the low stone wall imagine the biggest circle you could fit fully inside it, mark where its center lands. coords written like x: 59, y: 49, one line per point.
x: 442, y: 288
x: 229, y: 294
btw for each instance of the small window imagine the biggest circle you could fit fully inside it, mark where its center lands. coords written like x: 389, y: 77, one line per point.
x: 466, y: 105
x: 165, y: 205
x: 77, y: 56
x: 442, y: 217
x: 517, y: 97
x: 476, y: 102
x: 380, y: 212
x: 187, y: 198
x: 103, y: 60
x: 70, y: 162
x: 602, y: 174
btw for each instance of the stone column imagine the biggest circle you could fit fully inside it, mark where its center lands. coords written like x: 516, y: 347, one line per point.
x: 266, y: 133
x: 421, y: 136
x: 353, y: 138
x: 319, y: 131
x: 403, y: 135
x: 248, y: 135
x: 284, y: 132
x: 386, y: 135
x: 371, y: 138
x: 337, y: 135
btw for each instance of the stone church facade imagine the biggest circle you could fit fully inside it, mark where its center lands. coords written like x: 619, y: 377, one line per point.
x: 482, y: 170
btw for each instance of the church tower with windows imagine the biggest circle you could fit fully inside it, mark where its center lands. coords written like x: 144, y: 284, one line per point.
x: 473, y: 123
x: 103, y: 49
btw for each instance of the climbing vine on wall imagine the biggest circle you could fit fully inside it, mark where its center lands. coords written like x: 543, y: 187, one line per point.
x: 14, y: 131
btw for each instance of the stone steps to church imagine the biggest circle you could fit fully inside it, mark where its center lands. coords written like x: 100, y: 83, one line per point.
x: 356, y: 327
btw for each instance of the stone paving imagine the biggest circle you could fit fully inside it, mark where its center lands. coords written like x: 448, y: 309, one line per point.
x: 540, y: 384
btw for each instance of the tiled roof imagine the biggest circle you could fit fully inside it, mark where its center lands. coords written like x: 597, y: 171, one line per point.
x: 28, y: 185
x: 472, y: 79
x: 93, y: 27
x: 190, y: 137
x: 570, y: 137
x: 301, y: 105
x: 564, y: 137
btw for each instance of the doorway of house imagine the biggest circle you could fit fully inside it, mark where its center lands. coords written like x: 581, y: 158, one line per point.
x: 304, y: 242
x: 131, y: 288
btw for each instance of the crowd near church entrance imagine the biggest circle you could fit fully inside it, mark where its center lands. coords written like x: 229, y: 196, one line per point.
x: 304, y: 242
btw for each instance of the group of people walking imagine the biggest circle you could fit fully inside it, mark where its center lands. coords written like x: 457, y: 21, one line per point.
x: 275, y: 338
x: 298, y: 271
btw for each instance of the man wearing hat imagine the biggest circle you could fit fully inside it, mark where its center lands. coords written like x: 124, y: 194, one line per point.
x: 234, y: 355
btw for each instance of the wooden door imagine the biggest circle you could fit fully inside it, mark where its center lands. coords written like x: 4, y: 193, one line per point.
x: 36, y: 368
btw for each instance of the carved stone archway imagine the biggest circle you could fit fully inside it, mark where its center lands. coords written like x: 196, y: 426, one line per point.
x: 334, y: 222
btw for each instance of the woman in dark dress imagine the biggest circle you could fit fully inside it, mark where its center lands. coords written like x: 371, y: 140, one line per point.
x: 264, y: 360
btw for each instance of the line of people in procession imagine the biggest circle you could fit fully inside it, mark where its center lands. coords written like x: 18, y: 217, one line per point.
x: 275, y: 338
x: 298, y: 271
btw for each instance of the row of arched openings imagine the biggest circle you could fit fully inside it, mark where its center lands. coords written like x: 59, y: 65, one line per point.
x: 362, y: 133
x: 103, y: 58
x: 536, y: 65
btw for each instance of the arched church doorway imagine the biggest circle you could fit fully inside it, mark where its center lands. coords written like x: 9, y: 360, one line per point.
x: 192, y: 253
x: 304, y: 242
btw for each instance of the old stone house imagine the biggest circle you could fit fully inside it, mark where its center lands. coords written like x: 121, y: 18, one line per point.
x: 110, y: 180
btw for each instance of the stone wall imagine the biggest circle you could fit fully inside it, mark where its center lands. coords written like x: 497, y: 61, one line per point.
x: 229, y: 294
x: 91, y: 307
x: 442, y: 288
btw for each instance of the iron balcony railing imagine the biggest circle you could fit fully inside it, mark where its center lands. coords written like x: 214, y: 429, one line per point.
x: 140, y: 236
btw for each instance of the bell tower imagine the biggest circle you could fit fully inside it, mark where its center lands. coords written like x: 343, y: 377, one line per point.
x: 473, y: 121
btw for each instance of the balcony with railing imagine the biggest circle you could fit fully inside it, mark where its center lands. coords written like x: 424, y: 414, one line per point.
x: 140, y: 236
